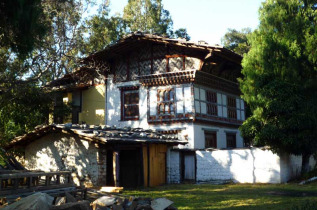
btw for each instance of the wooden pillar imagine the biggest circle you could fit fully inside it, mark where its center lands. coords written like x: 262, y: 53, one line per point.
x: 145, y: 165
x: 116, y: 168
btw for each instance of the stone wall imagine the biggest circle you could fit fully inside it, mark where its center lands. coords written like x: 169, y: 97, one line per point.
x: 173, y: 167
x: 61, y: 151
x: 247, y: 166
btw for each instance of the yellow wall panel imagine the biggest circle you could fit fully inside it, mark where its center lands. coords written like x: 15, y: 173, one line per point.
x: 93, y: 105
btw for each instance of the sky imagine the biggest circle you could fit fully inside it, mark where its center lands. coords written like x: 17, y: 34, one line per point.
x: 206, y: 20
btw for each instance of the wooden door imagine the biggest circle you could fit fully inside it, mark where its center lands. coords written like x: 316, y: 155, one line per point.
x: 154, y: 164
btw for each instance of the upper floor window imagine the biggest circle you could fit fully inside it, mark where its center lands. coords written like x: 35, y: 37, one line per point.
x: 170, y: 103
x: 211, y: 103
x: 130, y: 104
x: 232, y: 109
x: 166, y: 102
x: 231, y: 140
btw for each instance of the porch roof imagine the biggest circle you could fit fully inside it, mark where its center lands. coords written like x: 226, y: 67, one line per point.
x: 100, y: 135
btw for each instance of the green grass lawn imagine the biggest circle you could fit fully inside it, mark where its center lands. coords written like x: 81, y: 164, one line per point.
x: 237, y: 196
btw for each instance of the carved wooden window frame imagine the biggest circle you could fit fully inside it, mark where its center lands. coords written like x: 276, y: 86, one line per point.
x: 166, y: 102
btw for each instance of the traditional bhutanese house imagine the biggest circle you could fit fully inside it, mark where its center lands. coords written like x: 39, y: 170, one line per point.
x: 170, y: 85
x: 99, y: 156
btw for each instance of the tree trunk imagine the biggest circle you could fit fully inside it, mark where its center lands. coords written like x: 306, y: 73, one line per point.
x: 305, y: 162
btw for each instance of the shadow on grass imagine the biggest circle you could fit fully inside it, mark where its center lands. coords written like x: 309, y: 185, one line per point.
x: 239, y: 196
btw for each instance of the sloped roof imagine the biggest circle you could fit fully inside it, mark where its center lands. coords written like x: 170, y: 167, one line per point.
x: 138, y: 39
x: 83, y: 77
x: 101, y: 135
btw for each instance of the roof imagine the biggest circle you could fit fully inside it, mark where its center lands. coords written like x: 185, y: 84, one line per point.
x: 79, y: 79
x: 99, y: 134
x: 137, y: 39
x: 84, y: 76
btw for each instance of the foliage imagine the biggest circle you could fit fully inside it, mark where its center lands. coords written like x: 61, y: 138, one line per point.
x: 21, y: 26
x: 147, y: 16
x: 181, y: 33
x: 237, y: 41
x: 58, y: 52
x: 232, y: 196
x: 102, y: 29
x: 280, y: 79
x: 22, y: 107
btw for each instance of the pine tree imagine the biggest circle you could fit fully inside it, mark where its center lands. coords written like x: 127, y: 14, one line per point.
x: 280, y: 79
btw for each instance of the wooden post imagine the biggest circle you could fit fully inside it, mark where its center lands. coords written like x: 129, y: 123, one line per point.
x: 116, y: 168
x: 69, y: 178
x: 148, y: 165
x: 16, y: 184
x: 58, y: 179
x: 47, y: 180
x: 30, y: 181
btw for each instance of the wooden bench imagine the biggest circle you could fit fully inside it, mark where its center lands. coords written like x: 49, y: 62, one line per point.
x: 23, y: 183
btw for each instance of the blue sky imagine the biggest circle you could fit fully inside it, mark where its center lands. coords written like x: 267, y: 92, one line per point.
x: 207, y: 20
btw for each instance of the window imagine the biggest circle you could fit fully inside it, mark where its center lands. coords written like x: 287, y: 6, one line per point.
x: 231, y: 140
x: 211, y: 103
x: 169, y: 103
x: 130, y: 104
x: 232, y: 109
x: 207, y: 102
x: 210, y: 139
x: 166, y: 102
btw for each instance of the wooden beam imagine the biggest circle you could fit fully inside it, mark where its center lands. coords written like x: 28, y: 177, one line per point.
x: 116, y: 168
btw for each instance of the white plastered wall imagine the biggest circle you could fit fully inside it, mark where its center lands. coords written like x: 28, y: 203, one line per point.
x: 253, y: 165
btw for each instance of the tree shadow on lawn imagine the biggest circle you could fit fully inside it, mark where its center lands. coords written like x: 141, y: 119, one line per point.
x: 237, y: 196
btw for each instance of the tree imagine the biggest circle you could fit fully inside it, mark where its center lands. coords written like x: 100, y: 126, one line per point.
x: 58, y: 52
x: 280, y: 79
x: 21, y: 25
x: 237, y: 41
x: 25, y: 65
x: 181, y: 33
x: 147, y: 16
x: 102, y: 29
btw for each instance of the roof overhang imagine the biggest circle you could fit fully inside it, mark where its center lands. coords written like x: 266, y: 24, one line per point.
x: 138, y: 39
x: 106, y: 135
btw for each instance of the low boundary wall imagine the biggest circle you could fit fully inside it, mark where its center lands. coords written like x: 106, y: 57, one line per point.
x: 242, y: 165
x: 251, y: 165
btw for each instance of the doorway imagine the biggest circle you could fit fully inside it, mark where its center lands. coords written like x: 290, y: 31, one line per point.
x: 131, y: 170
x: 188, y: 169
